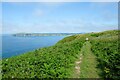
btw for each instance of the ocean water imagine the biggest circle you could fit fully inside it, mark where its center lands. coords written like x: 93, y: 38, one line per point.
x: 13, y: 46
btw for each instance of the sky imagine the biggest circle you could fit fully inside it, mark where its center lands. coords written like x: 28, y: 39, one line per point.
x: 58, y: 17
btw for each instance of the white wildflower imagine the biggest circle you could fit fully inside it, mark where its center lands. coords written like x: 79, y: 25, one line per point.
x: 12, y: 76
x: 6, y: 59
x: 86, y: 39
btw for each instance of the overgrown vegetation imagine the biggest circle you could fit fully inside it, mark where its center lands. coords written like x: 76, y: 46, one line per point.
x: 106, y: 49
x: 58, y: 61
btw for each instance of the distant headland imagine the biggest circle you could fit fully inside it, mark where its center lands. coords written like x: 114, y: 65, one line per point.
x: 44, y: 34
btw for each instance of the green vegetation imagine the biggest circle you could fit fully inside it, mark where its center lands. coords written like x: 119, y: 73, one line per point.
x: 58, y: 61
x: 106, y: 49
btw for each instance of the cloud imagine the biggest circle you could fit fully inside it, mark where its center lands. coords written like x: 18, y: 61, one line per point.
x: 38, y: 12
x: 57, y: 26
x: 48, y: 8
x: 52, y: 3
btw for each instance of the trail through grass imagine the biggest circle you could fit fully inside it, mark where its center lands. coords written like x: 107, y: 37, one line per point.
x: 87, y: 63
x: 77, y: 67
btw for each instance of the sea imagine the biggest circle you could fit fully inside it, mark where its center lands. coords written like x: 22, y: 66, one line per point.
x: 16, y: 45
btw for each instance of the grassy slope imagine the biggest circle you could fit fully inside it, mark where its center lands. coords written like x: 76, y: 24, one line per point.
x: 54, y: 61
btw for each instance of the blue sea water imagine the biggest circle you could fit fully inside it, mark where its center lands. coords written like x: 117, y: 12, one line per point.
x: 13, y: 46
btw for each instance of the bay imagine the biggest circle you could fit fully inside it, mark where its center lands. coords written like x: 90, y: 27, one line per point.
x: 13, y: 45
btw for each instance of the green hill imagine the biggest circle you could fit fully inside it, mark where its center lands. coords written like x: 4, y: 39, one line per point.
x: 58, y: 61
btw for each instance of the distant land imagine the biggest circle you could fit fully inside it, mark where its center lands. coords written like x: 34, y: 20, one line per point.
x: 44, y: 34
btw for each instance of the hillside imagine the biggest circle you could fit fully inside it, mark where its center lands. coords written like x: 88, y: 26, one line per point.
x: 99, y: 56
